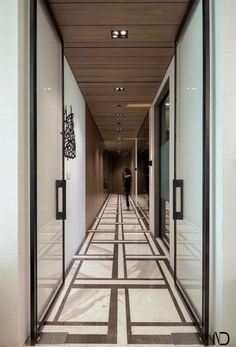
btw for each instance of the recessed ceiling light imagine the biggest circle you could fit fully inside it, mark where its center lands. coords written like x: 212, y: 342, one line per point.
x: 119, y: 114
x: 118, y: 130
x: 119, y: 34
x: 119, y: 89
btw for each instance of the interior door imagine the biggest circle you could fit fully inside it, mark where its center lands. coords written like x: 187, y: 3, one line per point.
x: 190, y: 193
x: 164, y: 171
x: 48, y: 185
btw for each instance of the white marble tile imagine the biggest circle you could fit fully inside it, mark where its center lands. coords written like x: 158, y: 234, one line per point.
x: 162, y: 330
x: 76, y: 329
x: 136, y: 249
x: 121, y: 318
x: 175, y: 292
x: 95, y: 269
x: 142, y: 269
x: 152, y: 305
x: 132, y: 228
x: 86, y: 305
x: 101, y: 248
x: 120, y: 261
x: 152, y: 244
x: 120, y: 281
x: 103, y: 236
x: 85, y: 245
x: 130, y: 220
x: 106, y: 227
x: 135, y: 236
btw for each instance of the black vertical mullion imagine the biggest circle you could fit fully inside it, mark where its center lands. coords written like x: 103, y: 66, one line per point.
x: 33, y: 170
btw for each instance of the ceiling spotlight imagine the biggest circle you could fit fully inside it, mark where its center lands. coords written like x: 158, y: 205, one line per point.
x: 119, y: 89
x: 119, y: 114
x: 124, y: 33
x: 119, y: 34
x: 118, y: 130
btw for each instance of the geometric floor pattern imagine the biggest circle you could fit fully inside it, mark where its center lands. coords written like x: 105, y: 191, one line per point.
x: 119, y: 290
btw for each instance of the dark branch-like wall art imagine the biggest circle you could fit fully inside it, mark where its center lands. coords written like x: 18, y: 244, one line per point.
x: 69, y: 135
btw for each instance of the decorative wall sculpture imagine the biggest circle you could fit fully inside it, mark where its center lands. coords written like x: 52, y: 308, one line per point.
x: 69, y: 135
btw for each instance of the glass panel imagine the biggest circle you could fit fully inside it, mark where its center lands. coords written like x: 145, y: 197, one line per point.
x: 164, y: 170
x: 49, y: 160
x: 189, y: 158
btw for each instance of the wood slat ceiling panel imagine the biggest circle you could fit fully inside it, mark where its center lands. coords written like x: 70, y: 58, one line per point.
x: 121, y: 14
x: 94, y: 34
x: 137, y: 63
x: 120, y: 52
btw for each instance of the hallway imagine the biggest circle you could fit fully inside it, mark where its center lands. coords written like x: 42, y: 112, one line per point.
x: 119, y: 289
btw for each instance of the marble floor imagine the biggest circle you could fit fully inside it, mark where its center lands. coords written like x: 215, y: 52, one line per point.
x: 119, y: 290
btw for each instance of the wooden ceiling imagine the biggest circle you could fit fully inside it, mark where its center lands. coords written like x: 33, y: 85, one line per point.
x: 100, y: 63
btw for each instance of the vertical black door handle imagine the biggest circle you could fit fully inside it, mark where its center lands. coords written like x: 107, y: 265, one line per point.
x: 178, y: 213
x: 61, y: 199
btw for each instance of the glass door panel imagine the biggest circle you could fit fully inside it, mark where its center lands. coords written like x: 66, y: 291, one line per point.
x: 189, y: 159
x: 164, y: 171
x: 47, y: 184
x: 49, y: 161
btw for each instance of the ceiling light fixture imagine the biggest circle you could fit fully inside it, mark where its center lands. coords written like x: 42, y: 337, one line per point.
x: 119, y: 130
x: 119, y: 34
x: 119, y: 89
x: 119, y: 114
x: 138, y: 105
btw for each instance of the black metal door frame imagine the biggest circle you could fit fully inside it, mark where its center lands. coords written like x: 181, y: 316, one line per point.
x: 35, y: 326
x: 201, y: 324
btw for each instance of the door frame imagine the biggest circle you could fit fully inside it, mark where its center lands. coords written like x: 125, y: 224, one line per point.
x: 36, y: 328
x: 201, y: 324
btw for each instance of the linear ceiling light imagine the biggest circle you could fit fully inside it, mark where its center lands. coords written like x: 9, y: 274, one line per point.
x: 119, y: 34
x: 138, y: 105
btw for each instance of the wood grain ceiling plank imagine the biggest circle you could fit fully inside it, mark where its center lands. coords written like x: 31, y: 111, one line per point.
x: 141, y: 33
x: 112, y: 1
x: 120, y: 52
x: 138, y: 60
x: 119, y: 44
x: 119, y: 14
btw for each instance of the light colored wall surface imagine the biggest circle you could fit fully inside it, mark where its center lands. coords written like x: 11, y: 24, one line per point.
x: 75, y: 169
x: 14, y: 232
x: 223, y: 236
x: 152, y: 177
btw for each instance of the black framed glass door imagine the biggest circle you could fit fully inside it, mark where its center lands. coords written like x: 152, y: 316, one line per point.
x: 164, y: 171
x: 47, y: 163
x: 191, y: 184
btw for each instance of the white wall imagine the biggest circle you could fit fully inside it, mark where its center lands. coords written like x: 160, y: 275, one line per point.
x: 14, y: 231
x: 75, y: 170
x: 223, y: 169
x: 170, y: 74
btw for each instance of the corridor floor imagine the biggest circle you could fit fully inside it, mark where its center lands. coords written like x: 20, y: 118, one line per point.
x: 119, y: 289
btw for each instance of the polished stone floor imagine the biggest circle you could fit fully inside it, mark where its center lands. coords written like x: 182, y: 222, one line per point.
x: 119, y: 290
